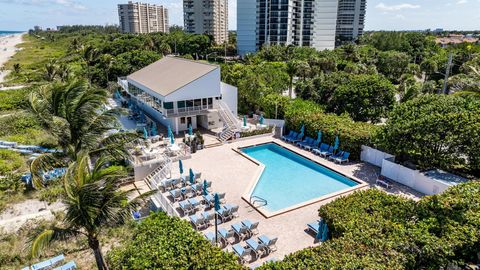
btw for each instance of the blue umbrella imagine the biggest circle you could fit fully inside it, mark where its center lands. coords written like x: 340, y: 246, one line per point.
x: 337, y: 143
x: 302, y: 129
x: 169, y: 131
x: 145, y: 133
x: 190, y: 130
x: 172, y: 140
x: 180, y: 166
x: 244, y: 120
x: 320, y: 230
x: 261, y: 119
x: 205, y: 187
x: 192, y: 176
x: 154, y: 130
x: 325, y: 233
x: 217, y: 202
x: 319, y: 138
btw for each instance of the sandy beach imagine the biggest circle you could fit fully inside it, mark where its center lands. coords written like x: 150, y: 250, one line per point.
x: 7, y: 50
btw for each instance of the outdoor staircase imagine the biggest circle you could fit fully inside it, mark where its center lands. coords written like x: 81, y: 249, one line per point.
x: 162, y: 171
x: 231, y: 123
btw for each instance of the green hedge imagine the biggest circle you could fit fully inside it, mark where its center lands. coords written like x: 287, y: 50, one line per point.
x: 163, y: 242
x: 351, y: 134
x: 374, y: 230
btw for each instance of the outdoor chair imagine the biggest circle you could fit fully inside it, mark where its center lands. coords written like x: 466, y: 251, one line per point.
x: 284, y: 138
x: 337, y: 155
x: 343, y: 158
x: 198, y: 221
x: 258, y: 248
x: 68, y: 266
x: 327, y: 153
x: 186, y: 207
x: 323, y: 147
x: 240, y: 230
x: 252, y: 227
x: 227, y: 236
x: 242, y: 253
x: 176, y: 195
x: 270, y: 243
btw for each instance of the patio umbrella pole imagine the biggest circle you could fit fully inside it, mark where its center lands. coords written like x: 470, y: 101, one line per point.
x: 216, y: 229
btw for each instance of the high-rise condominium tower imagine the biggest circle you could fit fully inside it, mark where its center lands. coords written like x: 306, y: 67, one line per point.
x: 142, y: 18
x: 313, y: 23
x: 207, y: 17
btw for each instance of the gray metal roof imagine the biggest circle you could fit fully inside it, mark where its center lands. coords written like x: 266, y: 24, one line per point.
x: 169, y: 74
x: 445, y: 177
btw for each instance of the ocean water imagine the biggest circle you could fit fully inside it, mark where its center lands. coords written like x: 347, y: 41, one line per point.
x: 6, y: 33
x: 290, y: 179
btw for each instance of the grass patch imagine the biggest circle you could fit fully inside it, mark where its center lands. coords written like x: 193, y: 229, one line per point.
x: 14, y: 99
x: 10, y: 161
x: 24, y: 128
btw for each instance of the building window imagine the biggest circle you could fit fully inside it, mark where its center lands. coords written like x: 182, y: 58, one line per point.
x: 182, y: 120
x: 168, y: 105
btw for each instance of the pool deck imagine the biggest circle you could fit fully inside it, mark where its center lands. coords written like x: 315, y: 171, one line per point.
x: 233, y: 174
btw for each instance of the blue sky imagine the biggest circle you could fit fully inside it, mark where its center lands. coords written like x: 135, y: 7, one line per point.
x: 381, y: 14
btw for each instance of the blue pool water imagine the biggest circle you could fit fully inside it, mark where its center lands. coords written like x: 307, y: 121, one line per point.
x: 290, y: 179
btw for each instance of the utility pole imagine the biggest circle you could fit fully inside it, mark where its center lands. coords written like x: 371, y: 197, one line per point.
x: 447, y: 74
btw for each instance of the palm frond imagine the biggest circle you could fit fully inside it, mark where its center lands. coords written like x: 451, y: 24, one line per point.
x: 41, y: 241
x: 43, y: 163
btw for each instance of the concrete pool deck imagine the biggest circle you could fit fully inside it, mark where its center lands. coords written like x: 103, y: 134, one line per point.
x: 232, y: 173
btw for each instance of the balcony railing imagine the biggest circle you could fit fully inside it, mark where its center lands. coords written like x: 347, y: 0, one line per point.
x: 188, y: 110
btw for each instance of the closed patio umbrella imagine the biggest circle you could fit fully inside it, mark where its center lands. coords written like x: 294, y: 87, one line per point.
x: 302, y: 129
x: 216, y: 200
x: 320, y: 230
x: 154, y: 130
x: 190, y: 130
x: 205, y: 187
x: 169, y: 131
x: 244, y: 120
x: 319, y: 137
x: 180, y: 166
x: 192, y: 177
x: 325, y: 233
x: 261, y: 119
x: 337, y: 143
x: 145, y: 133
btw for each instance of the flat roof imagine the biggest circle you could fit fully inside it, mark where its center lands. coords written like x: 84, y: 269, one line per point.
x: 169, y: 74
x: 445, y: 177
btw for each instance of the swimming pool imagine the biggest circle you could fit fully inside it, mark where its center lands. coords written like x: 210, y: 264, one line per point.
x: 290, y: 179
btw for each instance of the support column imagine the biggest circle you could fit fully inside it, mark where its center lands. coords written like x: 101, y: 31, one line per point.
x: 176, y: 125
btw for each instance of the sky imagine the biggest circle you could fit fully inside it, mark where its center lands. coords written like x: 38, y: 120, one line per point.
x: 381, y: 14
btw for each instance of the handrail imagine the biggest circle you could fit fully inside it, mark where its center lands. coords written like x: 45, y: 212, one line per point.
x: 258, y: 199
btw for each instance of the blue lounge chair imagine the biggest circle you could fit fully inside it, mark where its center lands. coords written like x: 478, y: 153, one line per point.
x: 323, y: 147
x: 176, y: 194
x: 293, y: 137
x: 198, y: 221
x: 242, y: 253
x: 327, y: 153
x: 343, y: 158
x: 210, y: 237
x: 288, y: 136
x: 258, y: 248
x: 252, y: 227
x: 68, y: 266
x: 209, y: 199
x: 224, y: 214
x: 304, y: 142
x: 186, y: 207
x: 313, y: 226
x: 48, y: 263
x: 298, y: 138
x: 233, y: 209
x: 240, y: 230
x: 337, y: 155
x: 208, y: 216
x: 227, y: 236
x: 312, y: 145
x: 270, y: 243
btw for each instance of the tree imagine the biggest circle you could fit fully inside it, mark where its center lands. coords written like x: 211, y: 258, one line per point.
x: 75, y: 114
x: 93, y: 200
x: 393, y: 64
x: 434, y: 131
x: 429, y: 67
x: 291, y: 71
x: 163, y: 242
x: 50, y: 71
x: 364, y: 98
x: 17, y: 68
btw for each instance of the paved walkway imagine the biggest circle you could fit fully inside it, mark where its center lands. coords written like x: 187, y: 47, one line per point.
x: 232, y: 173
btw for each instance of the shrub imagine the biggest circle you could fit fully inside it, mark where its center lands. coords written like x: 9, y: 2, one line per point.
x: 373, y: 230
x: 10, y: 161
x: 351, y: 134
x: 13, y: 99
x: 434, y: 131
x: 163, y: 242
x: 256, y: 132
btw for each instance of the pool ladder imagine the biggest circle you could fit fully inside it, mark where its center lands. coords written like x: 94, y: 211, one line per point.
x: 256, y: 199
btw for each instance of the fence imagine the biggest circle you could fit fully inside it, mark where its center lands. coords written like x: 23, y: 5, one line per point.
x: 374, y: 156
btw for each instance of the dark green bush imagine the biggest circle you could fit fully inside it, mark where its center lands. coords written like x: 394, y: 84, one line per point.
x: 373, y: 230
x: 163, y: 242
x: 351, y: 134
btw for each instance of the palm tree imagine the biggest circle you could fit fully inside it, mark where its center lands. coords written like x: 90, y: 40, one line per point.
x: 291, y: 71
x: 64, y: 72
x: 93, y: 201
x: 75, y: 114
x: 90, y: 56
x: 17, y: 68
x: 50, y: 71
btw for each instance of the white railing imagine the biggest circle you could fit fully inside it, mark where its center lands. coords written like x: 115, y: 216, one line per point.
x: 122, y: 81
x: 227, y: 115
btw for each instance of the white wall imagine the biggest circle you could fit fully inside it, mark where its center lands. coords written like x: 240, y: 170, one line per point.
x: 230, y: 97
x: 204, y: 87
x: 374, y: 156
x: 183, y: 127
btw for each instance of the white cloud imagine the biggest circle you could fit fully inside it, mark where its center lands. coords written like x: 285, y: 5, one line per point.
x: 65, y: 3
x: 459, y: 2
x: 386, y: 8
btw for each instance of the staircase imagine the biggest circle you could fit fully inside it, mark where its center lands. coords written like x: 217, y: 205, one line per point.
x: 163, y: 171
x: 231, y: 123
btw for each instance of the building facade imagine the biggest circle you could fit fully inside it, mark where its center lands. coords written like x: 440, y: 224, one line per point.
x: 178, y: 93
x: 207, y: 17
x: 312, y: 23
x: 142, y: 18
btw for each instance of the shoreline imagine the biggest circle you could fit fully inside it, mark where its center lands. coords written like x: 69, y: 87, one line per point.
x: 7, y: 50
